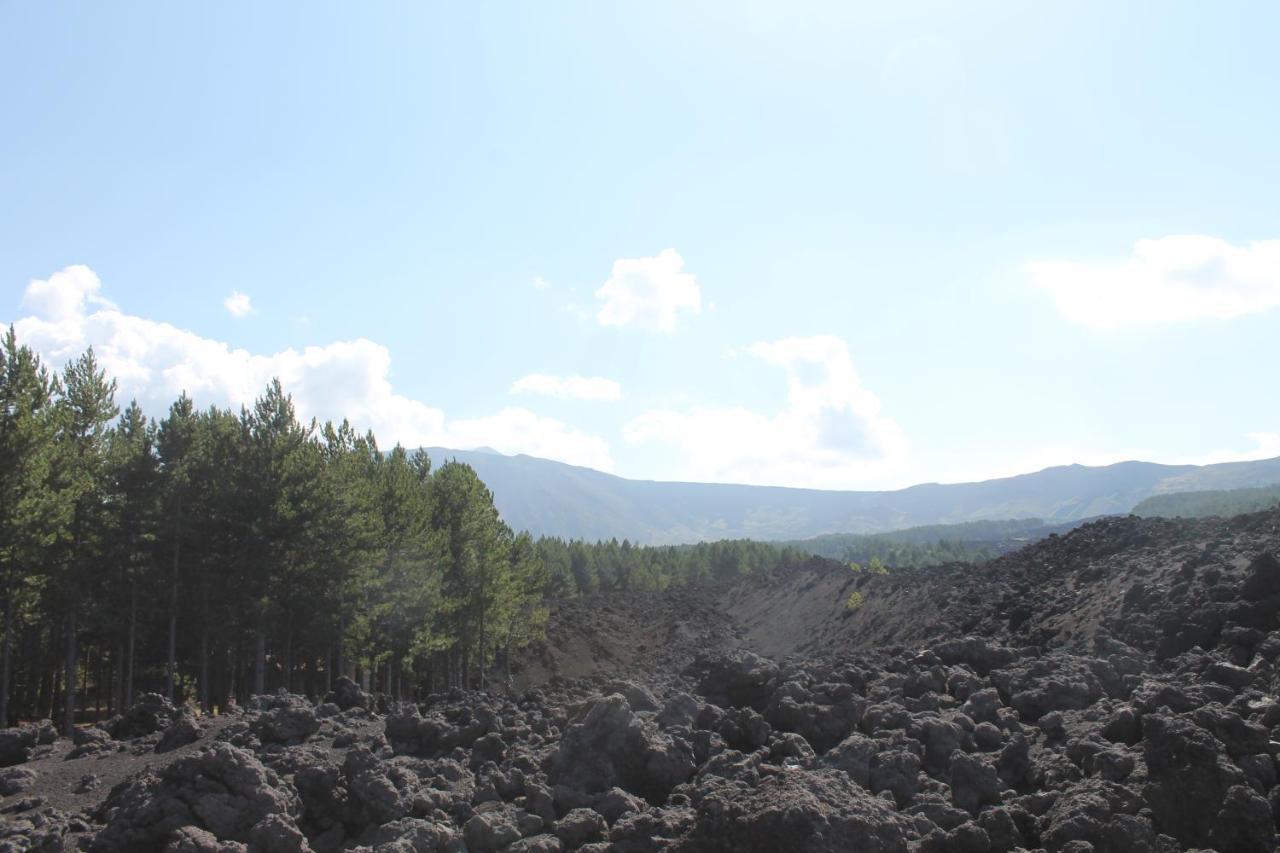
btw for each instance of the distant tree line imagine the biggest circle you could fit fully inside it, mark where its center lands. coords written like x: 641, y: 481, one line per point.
x: 217, y: 554
x: 576, y: 567
x: 931, y: 545
x: 1217, y: 502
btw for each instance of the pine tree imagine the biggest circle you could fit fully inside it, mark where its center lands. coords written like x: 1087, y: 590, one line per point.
x: 32, y: 517
x: 134, y: 483
x: 85, y: 412
x: 176, y: 443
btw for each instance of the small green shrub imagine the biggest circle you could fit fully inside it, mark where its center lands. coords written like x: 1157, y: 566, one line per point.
x: 854, y: 601
x: 855, y: 567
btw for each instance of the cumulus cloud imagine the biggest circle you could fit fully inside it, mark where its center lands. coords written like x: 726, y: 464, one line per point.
x: 155, y: 362
x: 1266, y: 445
x: 540, y: 283
x: 649, y: 293
x: 568, y: 387
x: 1168, y: 280
x: 238, y: 304
x: 830, y: 433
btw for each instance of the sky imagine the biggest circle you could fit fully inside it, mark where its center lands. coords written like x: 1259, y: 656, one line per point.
x: 831, y: 245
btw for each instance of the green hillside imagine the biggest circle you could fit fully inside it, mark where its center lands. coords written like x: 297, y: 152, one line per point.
x: 1222, y: 502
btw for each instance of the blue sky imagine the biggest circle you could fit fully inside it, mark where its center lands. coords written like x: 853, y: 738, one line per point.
x: 828, y: 244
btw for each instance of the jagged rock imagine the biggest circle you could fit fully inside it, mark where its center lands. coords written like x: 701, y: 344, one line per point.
x: 822, y: 725
x: 1262, y: 580
x: 853, y: 755
x: 1102, y: 815
x: 346, y: 694
x: 15, y: 780
x: 410, y: 834
x: 615, y: 802
x: 1238, y: 735
x: 800, y: 810
x: 896, y: 771
x: 90, y: 740
x: 1189, y: 776
x: 735, y: 679
x: 17, y: 744
x: 612, y: 746
x: 285, y: 719
x: 182, y: 731
x: 379, y: 793
x: 276, y: 833
x: 150, y: 714
x: 491, y: 830
x: 192, y: 839
x: 978, y: 653
x: 679, y: 710
x: 637, y: 696
x: 224, y: 790
x: 974, y: 782
x: 581, y: 826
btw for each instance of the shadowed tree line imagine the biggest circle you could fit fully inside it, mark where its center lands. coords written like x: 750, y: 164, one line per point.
x: 575, y: 567
x: 216, y: 554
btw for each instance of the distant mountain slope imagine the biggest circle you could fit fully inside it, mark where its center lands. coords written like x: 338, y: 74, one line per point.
x: 555, y: 499
x: 1215, y: 502
x: 933, y: 544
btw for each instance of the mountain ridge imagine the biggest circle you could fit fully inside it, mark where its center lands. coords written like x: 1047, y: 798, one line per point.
x: 554, y: 498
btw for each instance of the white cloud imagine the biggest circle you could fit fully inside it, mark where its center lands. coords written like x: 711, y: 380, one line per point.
x: 1168, y: 280
x: 568, y: 387
x: 830, y: 434
x: 1266, y: 445
x: 65, y: 293
x: 540, y: 283
x: 518, y: 430
x: 156, y: 361
x: 238, y: 304
x: 649, y: 293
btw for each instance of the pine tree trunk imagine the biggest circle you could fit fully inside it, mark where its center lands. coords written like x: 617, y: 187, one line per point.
x: 117, y: 677
x: 5, y: 658
x: 204, y: 641
x: 171, y: 668
x: 260, y: 663
x: 328, y: 670
x: 204, y: 668
x: 133, y: 636
x: 69, y: 700
x: 482, y: 643
x: 288, y: 652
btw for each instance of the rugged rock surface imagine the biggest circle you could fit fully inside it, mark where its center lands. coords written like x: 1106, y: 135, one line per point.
x: 1109, y: 690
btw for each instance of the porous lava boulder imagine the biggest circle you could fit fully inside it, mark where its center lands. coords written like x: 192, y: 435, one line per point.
x: 182, y: 731
x: 15, y: 780
x: 223, y: 790
x: 346, y: 694
x: 16, y: 745
x: 378, y: 792
x: 1262, y: 580
x: 735, y: 678
x: 150, y: 714
x: 613, y: 746
x: 1196, y: 793
x: 821, y: 811
x: 284, y: 718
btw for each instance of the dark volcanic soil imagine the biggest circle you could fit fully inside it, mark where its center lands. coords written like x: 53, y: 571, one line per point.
x: 1112, y: 689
